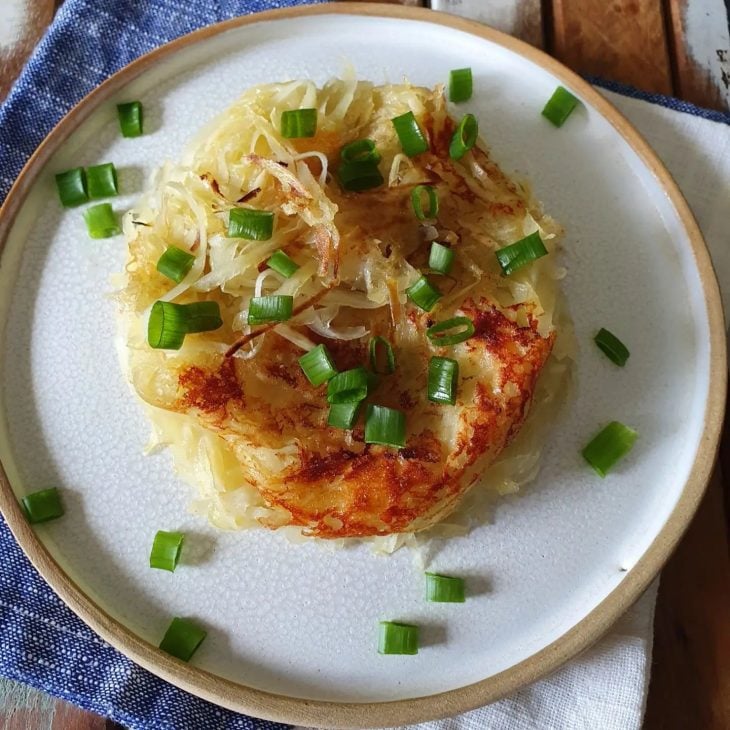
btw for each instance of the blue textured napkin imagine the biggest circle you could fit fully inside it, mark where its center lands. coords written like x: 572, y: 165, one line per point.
x: 42, y: 643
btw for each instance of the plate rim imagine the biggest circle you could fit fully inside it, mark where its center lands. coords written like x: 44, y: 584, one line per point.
x: 587, y: 630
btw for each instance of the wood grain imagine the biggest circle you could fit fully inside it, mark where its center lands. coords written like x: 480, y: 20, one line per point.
x: 706, y: 80
x: 624, y: 40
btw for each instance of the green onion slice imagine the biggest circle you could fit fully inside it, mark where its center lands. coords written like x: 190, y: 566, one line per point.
x: 130, y: 118
x: 175, y: 263
x: 251, y: 224
x: 417, y: 202
x: 202, y: 317
x: 378, y: 345
x: 520, y: 253
x: 441, y: 258
x: 424, y: 294
x: 343, y: 415
x: 385, y: 426
x: 182, y: 639
x: 612, y: 347
x: 460, y: 85
x: 299, y: 123
x: 317, y: 365
x: 101, y: 181
x: 465, y: 137
x: 166, y: 549
x: 361, y: 150
x: 360, y: 175
x: 72, y: 188
x: 443, y: 378
x: 610, y: 445
x: 101, y: 221
x: 282, y: 264
x: 444, y: 588
x: 397, y: 638
x: 436, y: 332
x: 349, y: 386
x: 410, y: 135
x: 43, y: 505
x: 560, y: 106
x: 167, y: 326
x: 272, y: 308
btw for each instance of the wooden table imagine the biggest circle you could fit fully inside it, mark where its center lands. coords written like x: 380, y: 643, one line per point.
x: 676, y: 47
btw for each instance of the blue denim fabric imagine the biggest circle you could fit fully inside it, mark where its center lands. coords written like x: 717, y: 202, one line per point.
x: 42, y: 643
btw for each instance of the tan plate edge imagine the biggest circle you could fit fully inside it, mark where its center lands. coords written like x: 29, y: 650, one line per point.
x: 588, y: 630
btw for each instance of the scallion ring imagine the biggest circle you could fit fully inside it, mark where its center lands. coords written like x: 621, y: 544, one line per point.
x: 361, y: 150
x: 465, y: 137
x: 250, y: 224
x: 317, y: 365
x: 417, y: 202
x: 460, y: 85
x: 397, y: 638
x: 170, y: 322
x: 130, y: 118
x: 560, y: 106
x: 101, y: 221
x: 385, y: 363
x: 412, y: 140
x: 299, y: 123
x: 272, y: 308
x: 359, y: 175
x: 72, y: 187
x: 166, y: 549
x: 202, y: 317
x: 612, y: 347
x: 385, y: 426
x: 522, y: 252
x: 441, y: 258
x: 444, y: 588
x: 101, y: 181
x: 42, y: 506
x: 175, y: 263
x: 349, y: 386
x: 282, y: 264
x: 442, y: 334
x: 443, y: 379
x: 343, y: 415
x: 423, y: 294
x: 608, y: 446
x: 182, y: 639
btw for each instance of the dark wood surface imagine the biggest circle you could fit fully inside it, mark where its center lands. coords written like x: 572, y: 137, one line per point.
x: 642, y: 43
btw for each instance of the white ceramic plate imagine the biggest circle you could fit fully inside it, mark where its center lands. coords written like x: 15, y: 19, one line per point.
x: 559, y: 561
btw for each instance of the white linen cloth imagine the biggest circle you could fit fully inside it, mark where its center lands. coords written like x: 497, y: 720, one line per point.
x: 606, y: 687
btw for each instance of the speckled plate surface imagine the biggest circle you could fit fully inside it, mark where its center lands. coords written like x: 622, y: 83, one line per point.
x: 290, y: 623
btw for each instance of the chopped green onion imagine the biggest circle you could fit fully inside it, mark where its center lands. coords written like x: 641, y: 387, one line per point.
x: 397, y: 638
x: 610, y: 445
x: 560, y: 106
x: 410, y: 135
x: 385, y: 426
x: 465, y: 137
x: 101, y: 181
x: 424, y: 294
x: 101, y: 221
x: 380, y: 343
x: 273, y: 308
x: 43, y: 505
x: 169, y: 322
x: 443, y: 377
x: 175, y: 263
x: 360, y: 175
x: 349, y: 386
x: 440, y: 340
x: 72, y: 189
x: 460, y: 85
x: 299, y: 123
x: 417, y: 202
x: 444, y: 588
x: 612, y: 347
x: 251, y: 224
x: 440, y: 258
x: 202, y: 317
x: 166, y: 550
x: 343, y: 415
x: 167, y: 326
x: 520, y: 253
x: 361, y: 150
x: 182, y: 639
x: 317, y: 365
x: 282, y: 264
x: 130, y: 118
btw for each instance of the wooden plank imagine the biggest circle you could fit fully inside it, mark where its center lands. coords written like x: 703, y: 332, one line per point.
x: 623, y: 40
x: 690, y: 683
x: 701, y: 49
x: 519, y: 18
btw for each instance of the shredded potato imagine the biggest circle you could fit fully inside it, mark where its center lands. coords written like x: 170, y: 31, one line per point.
x: 212, y: 403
